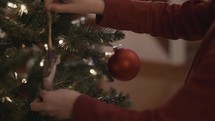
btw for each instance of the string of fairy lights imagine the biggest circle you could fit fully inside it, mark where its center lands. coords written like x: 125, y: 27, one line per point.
x: 22, y: 8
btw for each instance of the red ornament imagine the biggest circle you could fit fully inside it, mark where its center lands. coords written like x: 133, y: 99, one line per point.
x: 124, y: 64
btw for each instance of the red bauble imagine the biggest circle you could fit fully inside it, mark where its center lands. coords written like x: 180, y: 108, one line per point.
x: 124, y: 64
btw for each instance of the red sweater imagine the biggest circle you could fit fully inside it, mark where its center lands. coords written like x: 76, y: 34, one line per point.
x: 193, y: 20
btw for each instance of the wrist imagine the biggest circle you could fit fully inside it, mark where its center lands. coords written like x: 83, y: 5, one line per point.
x: 98, y: 6
x: 74, y: 98
x: 74, y: 103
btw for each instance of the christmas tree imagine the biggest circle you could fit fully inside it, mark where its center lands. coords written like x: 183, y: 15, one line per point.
x: 25, y: 50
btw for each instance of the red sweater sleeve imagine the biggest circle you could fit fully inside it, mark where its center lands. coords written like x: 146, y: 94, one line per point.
x: 189, y: 21
x: 188, y: 104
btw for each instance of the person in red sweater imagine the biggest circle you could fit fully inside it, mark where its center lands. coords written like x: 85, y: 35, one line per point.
x: 193, y: 20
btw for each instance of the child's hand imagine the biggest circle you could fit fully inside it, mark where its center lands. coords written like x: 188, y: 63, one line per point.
x: 57, y: 104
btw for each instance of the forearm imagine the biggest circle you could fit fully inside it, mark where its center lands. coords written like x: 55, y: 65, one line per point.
x: 157, y: 18
x: 186, y: 105
x: 89, y: 109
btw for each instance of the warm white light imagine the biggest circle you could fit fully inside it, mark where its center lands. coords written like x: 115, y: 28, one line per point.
x: 8, y: 99
x: 60, y: 42
x: 23, y: 45
x: 16, y: 75
x: 90, y: 62
x: 42, y: 63
x: 85, y: 60
x: 46, y: 46
x: 93, y: 72
x: 2, y: 33
x: 100, y: 98
x: 82, y: 18
x: 102, y: 41
x: 108, y: 54
x: 3, y: 99
x: 75, y: 22
x: 70, y: 87
x: 11, y: 5
x: 23, y: 9
x: 24, y: 81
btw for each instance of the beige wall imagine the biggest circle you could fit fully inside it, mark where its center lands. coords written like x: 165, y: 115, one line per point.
x: 152, y: 87
x: 156, y: 49
x: 146, y: 46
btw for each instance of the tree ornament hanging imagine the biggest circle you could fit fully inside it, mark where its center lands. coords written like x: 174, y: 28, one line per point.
x: 124, y: 64
x: 52, y: 59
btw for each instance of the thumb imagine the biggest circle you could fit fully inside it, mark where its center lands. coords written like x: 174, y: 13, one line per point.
x: 43, y: 93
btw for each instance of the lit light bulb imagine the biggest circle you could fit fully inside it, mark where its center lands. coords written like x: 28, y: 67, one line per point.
x: 60, y: 41
x: 90, y: 62
x: 99, y: 98
x: 46, y: 46
x: 82, y: 20
x: 23, y: 45
x: 93, y: 72
x: 102, y: 41
x: 108, y: 54
x: 23, y: 9
x: 74, y: 22
x: 11, y: 5
x: 8, y: 99
x: 15, y: 75
x: 70, y: 87
x: 24, y: 81
x: 42, y: 63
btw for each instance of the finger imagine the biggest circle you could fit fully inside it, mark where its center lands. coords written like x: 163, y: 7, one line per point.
x: 37, y: 106
x: 49, y: 2
x: 43, y: 93
x: 37, y: 100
